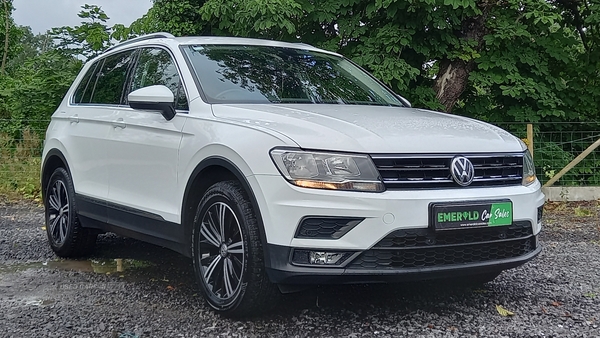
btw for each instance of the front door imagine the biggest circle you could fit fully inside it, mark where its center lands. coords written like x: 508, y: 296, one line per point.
x: 143, y: 154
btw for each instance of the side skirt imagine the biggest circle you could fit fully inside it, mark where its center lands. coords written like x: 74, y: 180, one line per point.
x: 130, y: 222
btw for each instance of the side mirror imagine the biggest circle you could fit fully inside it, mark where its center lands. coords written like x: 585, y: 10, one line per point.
x: 404, y: 101
x: 157, y: 97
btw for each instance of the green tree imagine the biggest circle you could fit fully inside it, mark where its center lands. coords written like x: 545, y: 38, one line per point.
x: 180, y: 18
x: 30, y: 96
x: 9, y: 34
x: 511, y: 60
x: 88, y: 39
x: 29, y: 46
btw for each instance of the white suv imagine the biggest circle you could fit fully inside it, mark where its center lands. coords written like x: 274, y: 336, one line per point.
x: 276, y: 165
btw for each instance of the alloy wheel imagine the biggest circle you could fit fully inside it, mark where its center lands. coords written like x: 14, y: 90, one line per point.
x: 221, y: 249
x: 58, y: 212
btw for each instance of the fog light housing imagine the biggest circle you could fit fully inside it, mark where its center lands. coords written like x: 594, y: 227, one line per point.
x: 319, y: 257
x: 325, y: 258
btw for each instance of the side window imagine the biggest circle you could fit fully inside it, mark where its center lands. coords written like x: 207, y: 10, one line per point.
x: 84, y: 90
x: 156, y: 67
x: 111, y: 79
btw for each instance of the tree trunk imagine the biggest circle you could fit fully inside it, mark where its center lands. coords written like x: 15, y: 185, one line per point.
x: 451, y: 81
x: 453, y: 75
x: 6, y: 36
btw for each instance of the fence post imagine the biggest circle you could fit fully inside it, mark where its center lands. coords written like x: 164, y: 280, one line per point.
x: 573, y: 163
x: 530, y: 138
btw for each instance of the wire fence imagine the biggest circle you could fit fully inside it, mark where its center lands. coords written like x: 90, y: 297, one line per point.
x: 20, y: 157
x: 555, y: 145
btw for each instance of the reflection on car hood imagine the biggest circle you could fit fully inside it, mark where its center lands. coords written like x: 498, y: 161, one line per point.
x: 372, y: 129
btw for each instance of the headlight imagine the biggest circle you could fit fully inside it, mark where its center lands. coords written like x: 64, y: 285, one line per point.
x: 328, y: 170
x: 528, y: 169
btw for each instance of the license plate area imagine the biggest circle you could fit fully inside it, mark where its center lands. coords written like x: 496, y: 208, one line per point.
x: 468, y: 215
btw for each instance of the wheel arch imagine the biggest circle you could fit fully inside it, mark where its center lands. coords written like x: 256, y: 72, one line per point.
x: 54, y: 159
x: 215, y: 169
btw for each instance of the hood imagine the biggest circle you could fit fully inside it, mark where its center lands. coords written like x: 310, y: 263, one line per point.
x: 372, y: 129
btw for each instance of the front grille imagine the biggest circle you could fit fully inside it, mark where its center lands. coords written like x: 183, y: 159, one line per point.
x: 418, y: 172
x: 419, y: 248
x: 326, y: 227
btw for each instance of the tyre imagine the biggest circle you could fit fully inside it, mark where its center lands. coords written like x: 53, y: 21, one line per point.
x: 66, y: 236
x: 228, y: 254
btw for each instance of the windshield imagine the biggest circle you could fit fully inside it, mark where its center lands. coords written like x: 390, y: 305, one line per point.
x: 265, y: 74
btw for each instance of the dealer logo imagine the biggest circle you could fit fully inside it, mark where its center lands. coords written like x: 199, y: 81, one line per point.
x: 462, y: 170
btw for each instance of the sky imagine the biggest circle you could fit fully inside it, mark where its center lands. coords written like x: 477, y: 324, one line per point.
x: 42, y: 15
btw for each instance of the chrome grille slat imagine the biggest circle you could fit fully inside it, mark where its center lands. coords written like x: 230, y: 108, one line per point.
x: 496, y: 167
x: 413, y: 168
x: 433, y: 171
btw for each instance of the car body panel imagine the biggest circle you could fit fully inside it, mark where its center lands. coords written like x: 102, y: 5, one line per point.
x: 78, y: 132
x: 408, y: 209
x: 373, y: 129
x: 144, y: 161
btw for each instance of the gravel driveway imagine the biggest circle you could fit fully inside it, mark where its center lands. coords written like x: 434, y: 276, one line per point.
x: 131, y: 289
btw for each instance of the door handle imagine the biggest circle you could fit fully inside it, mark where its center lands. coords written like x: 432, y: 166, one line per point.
x: 119, y: 123
x: 74, y: 118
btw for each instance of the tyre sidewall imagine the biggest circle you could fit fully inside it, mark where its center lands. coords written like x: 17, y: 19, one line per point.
x: 220, y: 193
x: 61, y: 174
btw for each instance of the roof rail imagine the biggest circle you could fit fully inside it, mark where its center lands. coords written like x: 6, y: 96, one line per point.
x: 305, y: 44
x: 143, y: 38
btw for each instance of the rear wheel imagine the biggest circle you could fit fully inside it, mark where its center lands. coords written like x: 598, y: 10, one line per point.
x: 66, y: 236
x: 228, y: 254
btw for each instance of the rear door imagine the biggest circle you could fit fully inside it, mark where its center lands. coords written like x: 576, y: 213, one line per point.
x: 91, y: 115
x: 144, y: 152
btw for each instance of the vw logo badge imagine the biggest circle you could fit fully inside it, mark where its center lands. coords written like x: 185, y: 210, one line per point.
x: 462, y: 170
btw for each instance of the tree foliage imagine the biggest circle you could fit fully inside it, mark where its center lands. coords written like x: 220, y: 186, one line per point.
x: 40, y: 68
x: 510, y: 60
x: 88, y: 39
x: 32, y: 93
x: 9, y: 34
x: 496, y: 60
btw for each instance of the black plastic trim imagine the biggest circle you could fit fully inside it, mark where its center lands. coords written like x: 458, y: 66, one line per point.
x: 52, y: 153
x: 91, y: 208
x: 338, y: 234
x: 130, y: 222
x: 167, y: 109
x: 281, y: 271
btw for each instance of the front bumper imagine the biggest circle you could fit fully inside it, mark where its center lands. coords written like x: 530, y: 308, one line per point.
x: 282, y: 272
x: 284, y: 206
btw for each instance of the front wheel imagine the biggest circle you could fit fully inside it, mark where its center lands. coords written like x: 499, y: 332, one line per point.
x: 228, y: 254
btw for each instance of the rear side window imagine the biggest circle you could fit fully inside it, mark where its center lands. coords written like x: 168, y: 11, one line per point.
x: 84, y: 90
x: 155, y: 66
x: 109, y: 80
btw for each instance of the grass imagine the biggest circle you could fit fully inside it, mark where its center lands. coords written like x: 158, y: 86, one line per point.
x: 20, y: 163
x: 583, y: 212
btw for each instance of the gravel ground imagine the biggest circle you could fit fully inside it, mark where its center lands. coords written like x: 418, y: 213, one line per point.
x: 555, y: 295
